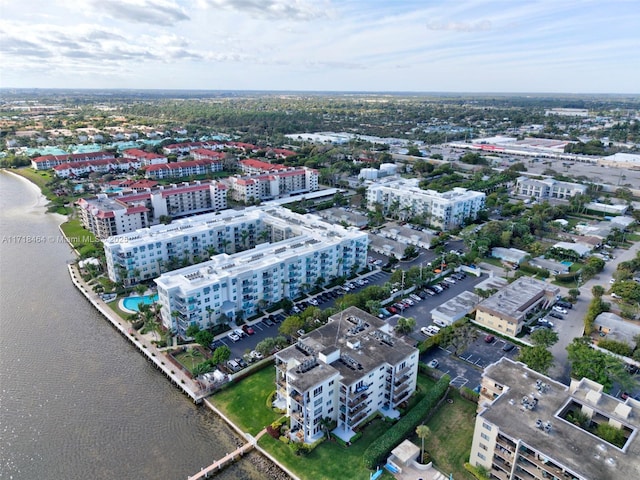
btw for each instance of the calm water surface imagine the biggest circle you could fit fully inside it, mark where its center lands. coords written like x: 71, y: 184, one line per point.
x: 76, y: 400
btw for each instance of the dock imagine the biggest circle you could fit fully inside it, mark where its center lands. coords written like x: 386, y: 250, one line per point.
x: 228, y: 458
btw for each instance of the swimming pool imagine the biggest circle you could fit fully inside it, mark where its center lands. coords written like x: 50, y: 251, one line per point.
x: 113, y: 190
x: 567, y: 263
x: 131, y: 303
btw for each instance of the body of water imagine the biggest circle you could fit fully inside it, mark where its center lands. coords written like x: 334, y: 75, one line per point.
x: 77, y: 401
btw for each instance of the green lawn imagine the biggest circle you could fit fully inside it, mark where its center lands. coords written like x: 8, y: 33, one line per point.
x: 189, y: 359
x: 77, y: 234
x: 451, y: 433
x: 245, y: 403
x: 329, y: 460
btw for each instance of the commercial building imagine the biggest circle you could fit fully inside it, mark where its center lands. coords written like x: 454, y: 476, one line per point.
x: 298, y: 253
x: 446, y: 210
x: 543, y: 189
x: 345, y: 370
x: 455, y: 309
x: 107, y: 216
x: 507, y: 310
x: 530, y: 427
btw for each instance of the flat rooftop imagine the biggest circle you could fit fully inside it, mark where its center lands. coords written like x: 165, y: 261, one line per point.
x: 461, y: 304
x: 566, y: 444
x: 374, y: 346
x: 514, y: 299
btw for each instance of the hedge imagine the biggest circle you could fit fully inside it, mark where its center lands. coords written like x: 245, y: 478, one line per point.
x: 567, y: 277
x: 377, y: 452
x: 527, y: 267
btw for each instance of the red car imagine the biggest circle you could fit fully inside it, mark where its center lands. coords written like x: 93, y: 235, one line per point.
x: 248, y: 330
x: 392, y: 309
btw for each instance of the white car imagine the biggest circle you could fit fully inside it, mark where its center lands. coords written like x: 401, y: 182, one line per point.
x: 560, y: 310
x: 314, y: 302
x: 255, y: 354
x: 612, y: 281
x: 409, y: 301
x: 233, y: 337
x: 239, y: 333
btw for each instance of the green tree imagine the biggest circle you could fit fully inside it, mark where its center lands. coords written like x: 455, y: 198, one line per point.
x: 220, y: 355
x: 538, y: 358
x: 597, y: 291
x: 544, y: 337
x: 192, y: 330
x: 423, y: 433
x: 595, y: 365
x: 574, y: 293
x: 290, y: 325
x: 204, y: 337
x: 406, y: 325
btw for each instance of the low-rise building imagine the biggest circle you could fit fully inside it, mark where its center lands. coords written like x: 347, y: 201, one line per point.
x: 506, y: 311
x: 531, y: 427
x: 345, y: 370
x: 455, y: 309
x: 509, y: 255
x: 298, y: 253
x: 47, y: 162
x: 78, y: 169
x: 545, y: 188
x: 145, y: 158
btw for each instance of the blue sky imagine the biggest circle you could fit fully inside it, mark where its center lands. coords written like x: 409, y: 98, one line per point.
x: 579, y: 46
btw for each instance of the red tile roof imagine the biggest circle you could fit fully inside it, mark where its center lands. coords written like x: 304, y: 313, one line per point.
x: 253, y: 163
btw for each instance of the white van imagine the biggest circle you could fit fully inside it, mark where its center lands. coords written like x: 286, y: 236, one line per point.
x: 441, y: 323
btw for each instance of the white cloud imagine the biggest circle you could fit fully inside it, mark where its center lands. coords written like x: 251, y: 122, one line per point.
x: 482, y: 25
x: 272, y: 9
x: 152, y: 12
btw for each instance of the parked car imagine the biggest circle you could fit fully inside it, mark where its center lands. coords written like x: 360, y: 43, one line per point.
x: 248, y: 330
x: 408, y: 301
x: 239, y: 332
x: 255, y: 354
x: 545, y: 323
x: 556, y: 315
x: 508, y: 347
x: 450, y: 280
x: 392, y: 309
x: 489, y: 338
x: 564, y: 304
x: 433, y: 364
x: 233, y: 337
x: 440, y: 323
x: 558, y: 309
x: 268, y: 322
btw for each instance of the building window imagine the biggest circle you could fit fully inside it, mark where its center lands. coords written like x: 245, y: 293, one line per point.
x: 486, y: 426
x: 317, y: 391
x: 317, y: 402
x: 481, y: 456
x: 483, y: 446
x: 484, y: 436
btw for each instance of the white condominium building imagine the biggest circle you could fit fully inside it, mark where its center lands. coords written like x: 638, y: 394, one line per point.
x: 345, y: 370
x: 531, y: 427
x: 107, y: 216
x: 543, y: 189
x: 446, y: 210
x: 298, y: 253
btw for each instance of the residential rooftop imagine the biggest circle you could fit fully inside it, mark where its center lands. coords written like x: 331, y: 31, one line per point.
x: 581, y: 452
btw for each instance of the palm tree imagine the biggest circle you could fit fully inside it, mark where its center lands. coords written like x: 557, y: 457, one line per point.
x: 423, y: 432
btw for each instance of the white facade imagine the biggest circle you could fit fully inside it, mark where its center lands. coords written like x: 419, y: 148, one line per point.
x: 445, y: 210
x: 300, y: 251
x: 548, y: 188
x: 346, y: 371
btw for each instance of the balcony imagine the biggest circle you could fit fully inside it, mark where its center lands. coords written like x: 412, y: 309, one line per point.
x: 401, y: 397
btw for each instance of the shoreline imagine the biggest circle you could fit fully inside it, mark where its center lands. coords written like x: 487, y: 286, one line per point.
x: 152, y: 354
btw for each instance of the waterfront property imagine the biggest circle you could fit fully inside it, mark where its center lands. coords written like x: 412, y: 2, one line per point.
x: 446, y: 210
x: 531, y: 427
x: 298, y: 253
x: 506, y: 310
x: 274, y: 183
x: 107, y: 216
x: 133, y: 303
x: 345, y: 370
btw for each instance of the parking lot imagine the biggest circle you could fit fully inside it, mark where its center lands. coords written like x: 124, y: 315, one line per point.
x: 268, y: 325
x: 466, y: 368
